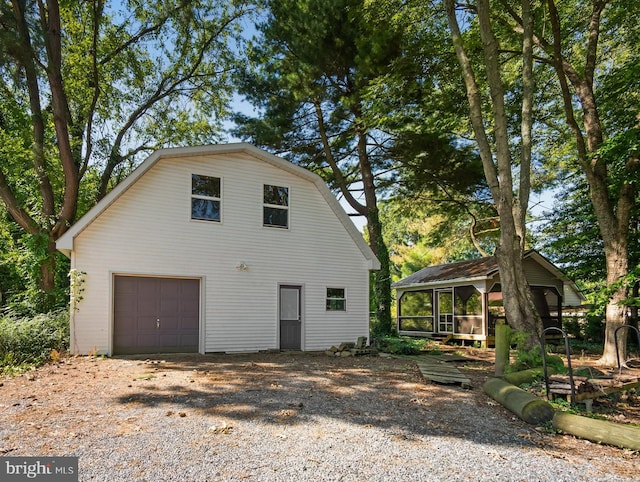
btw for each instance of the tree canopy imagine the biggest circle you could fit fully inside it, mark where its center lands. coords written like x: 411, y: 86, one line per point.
x: 87, y: 88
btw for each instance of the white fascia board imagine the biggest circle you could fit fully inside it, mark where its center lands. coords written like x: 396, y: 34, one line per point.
x: 443, y: 284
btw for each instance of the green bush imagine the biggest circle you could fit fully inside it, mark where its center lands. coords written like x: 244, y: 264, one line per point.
x: 532, y: 358
x: 402, y: 345
x: 29, y: 341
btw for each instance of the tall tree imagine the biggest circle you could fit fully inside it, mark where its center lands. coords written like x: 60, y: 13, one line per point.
x: 592, y: 46
x: 315, y: 64
x: 87, y: 87
x: 361, y: 95
x: 491, y: 128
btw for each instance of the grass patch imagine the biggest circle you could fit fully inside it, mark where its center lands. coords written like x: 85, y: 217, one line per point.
x: 26, y: 342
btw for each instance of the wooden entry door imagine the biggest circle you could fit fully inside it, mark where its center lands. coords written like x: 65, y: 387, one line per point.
x: 290, y: 318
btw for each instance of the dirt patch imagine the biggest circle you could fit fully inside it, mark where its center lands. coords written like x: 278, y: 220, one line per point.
x: 60, y: 408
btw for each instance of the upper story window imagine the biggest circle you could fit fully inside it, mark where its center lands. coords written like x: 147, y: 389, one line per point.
x: 276, y: 206
x: 205, y: 198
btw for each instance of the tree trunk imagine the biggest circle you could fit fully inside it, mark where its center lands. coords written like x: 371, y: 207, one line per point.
x: 613, y: 217
x: 498, y: 163
x: 47, y: 282
x: 382, y: 278
x: 616, y: 312
x: 516, y: 294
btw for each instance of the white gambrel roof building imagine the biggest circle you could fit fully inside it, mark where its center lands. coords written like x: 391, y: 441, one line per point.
x: 222, y: 248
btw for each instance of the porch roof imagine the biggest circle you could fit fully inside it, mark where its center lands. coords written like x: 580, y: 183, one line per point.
x: 477, y: 269
x: 468, y: 269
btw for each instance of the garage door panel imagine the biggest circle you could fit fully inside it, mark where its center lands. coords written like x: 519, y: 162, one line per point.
x: 147, y: 303
x: 146, y: 339
x: 124, y: 340
x: 190, y: 340
x: 146, y: 324
x: 189, y: 323
x: 153, y: 315
x: 170, y: 324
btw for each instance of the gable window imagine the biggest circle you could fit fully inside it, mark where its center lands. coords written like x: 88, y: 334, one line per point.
x: 336, y: 299
x: 205, y: 198
x: 276, y: 206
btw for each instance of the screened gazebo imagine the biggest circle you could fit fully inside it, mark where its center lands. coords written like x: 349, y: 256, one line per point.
x: 463, y: 300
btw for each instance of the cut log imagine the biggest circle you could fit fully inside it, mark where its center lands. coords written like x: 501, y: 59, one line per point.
x: 528, y: 407
x: 527, y: 376
x: 601, y: 431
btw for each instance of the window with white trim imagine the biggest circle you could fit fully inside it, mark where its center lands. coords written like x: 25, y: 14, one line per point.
x: 336, y: 299
x: 206, y: 200
x: 275, y: 206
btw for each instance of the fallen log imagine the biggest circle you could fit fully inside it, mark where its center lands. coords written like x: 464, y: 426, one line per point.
x: 528, y: 407
x: 527, y: 376
x: 601, y: 431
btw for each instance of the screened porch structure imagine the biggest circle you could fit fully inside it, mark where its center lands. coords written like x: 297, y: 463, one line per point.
x: 463, y: 300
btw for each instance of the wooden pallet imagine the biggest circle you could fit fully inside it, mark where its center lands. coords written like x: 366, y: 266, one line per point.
x: 438, y: 371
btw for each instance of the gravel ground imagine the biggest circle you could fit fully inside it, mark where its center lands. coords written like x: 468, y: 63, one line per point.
x: 283, y: 417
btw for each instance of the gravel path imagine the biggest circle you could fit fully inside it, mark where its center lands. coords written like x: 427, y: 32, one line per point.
x: 278, y: 417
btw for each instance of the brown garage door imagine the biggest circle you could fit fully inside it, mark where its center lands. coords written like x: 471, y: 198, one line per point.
x: 155, y: 315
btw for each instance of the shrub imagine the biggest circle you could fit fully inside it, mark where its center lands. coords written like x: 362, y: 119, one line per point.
x: 29, y: 341
x: 402, y: 345
x: 532, y: 358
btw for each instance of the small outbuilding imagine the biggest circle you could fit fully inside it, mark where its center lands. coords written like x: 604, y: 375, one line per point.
x: 463, y: 300
x: 223, y: 248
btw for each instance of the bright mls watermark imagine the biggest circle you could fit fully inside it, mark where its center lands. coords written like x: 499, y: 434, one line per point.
x: 50, y: 469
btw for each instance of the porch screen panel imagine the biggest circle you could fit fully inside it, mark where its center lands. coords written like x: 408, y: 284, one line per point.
x: 467, y: 310
x: 415, y: 311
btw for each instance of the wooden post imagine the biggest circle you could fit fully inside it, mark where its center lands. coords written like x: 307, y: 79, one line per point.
x: 503, y: 335
x: 528, y: 407
x: 616, y: 434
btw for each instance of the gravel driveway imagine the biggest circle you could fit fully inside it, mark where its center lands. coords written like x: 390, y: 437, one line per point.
x: 283, y: 417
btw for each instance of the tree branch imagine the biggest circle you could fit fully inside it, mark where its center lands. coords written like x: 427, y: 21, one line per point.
x: 17, y: 213
x: 337, y: 172
x: 475, y: 102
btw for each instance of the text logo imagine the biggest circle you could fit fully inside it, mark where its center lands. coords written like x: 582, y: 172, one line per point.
x: 50, y: 469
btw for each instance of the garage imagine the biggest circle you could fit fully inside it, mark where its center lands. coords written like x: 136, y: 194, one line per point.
x: 155, y: 315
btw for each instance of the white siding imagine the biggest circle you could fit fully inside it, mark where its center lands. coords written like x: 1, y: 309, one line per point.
x: 148, y: 231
